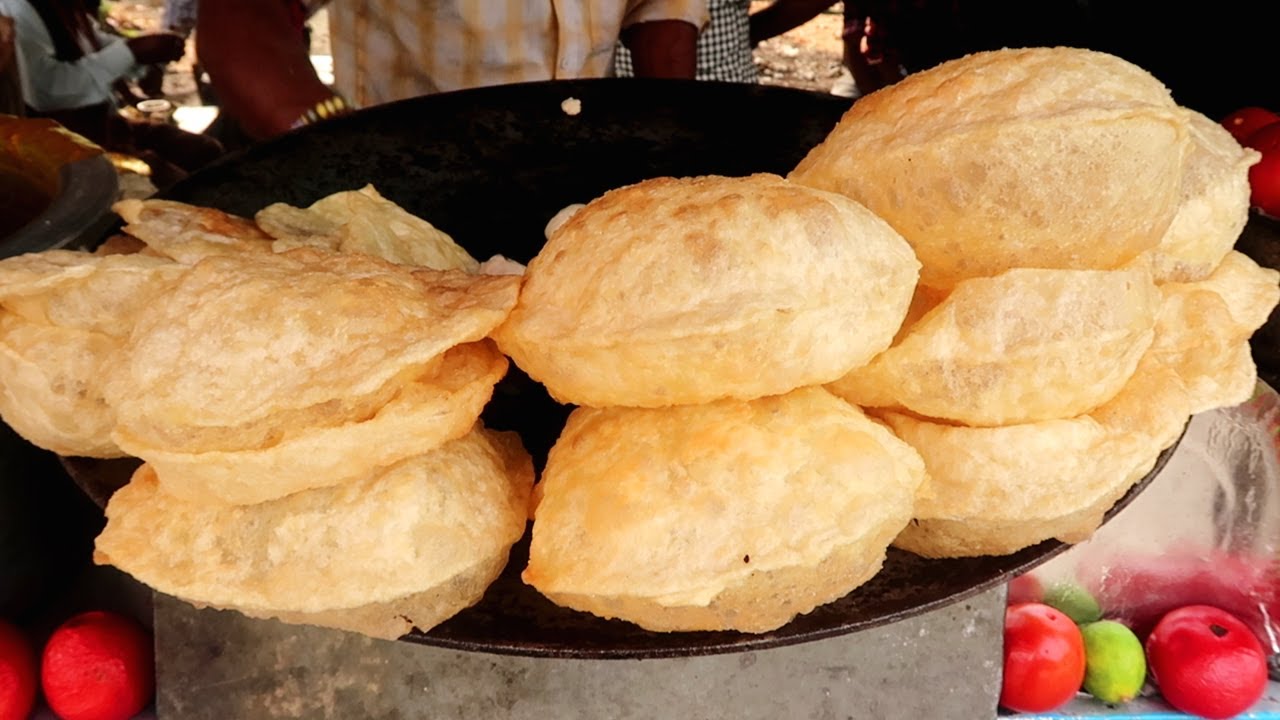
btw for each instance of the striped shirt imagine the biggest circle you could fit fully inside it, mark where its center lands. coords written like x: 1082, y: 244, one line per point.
x: 386, y: 50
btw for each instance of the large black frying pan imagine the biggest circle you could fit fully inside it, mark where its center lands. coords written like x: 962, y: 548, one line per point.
x: 490, y: 167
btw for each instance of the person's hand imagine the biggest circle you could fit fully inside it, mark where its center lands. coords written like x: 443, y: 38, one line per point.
x: 157, y: 48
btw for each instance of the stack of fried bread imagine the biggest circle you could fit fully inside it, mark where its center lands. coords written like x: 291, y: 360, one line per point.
x: 1079, y: 294
x: 308, y: 417
x: 708, y: 481
x: 1078, y: 300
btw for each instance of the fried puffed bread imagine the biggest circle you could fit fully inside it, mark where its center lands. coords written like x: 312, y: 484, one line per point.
x: 1203, y: 330
x: 735, y: 515
x: 246, y: 348
x: 1213, y: 205
x: 406, y: 547
x: 1039, y: 157
x: 997, y: 490
x: 684, y: 291
x: 440, y: 405
x: 190, y: 233
x: 363, y: 221
x: 1023, y: 346
x: 64, y: 318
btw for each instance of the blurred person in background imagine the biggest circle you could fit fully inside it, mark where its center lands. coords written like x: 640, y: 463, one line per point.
x: 68, y: 70
x: 385, y: 50
x: 179, y: 18
x: 884, y: 40
x: 724, y: 48
x: 10, y: 84
x: 1214, y: 62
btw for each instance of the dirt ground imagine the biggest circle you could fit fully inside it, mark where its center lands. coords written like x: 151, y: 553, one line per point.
x: 808, y: 57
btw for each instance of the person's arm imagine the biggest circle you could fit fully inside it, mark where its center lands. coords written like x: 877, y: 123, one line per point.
x: 662, y: 36
x: 784, y: 15
x: 663, y: 49
x: 50, y: 84
x: 7, y: 45
x: 258, y: 64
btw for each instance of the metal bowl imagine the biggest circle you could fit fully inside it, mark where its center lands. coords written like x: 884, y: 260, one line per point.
x: 59, y: 189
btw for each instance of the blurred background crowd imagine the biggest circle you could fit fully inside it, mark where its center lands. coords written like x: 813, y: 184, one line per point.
x: 271, y: 66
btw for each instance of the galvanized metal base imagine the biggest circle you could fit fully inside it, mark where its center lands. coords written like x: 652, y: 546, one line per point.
x: 220, y: 664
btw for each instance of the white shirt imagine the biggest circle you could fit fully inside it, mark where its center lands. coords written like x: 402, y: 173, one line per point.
x: 51, y: 84
x: 386, y: 50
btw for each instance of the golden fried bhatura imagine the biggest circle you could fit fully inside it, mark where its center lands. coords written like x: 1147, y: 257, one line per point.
x: 294, y: 227
x: 247, y: 346
x: 1203, y: 330
x: 1249, y: 291
x: 408, y: 546
x: 50, y: 387
x: 1038, y: 157
x: 363, y: 221
x: 439, y: 406
x: 1000, y: 489
x: 189, y: 233
x: 1023, y: 346
x: 1213, y: 205
x: 730, y: 515
x: 79, y: 290
x: 683, y: 291
x: 64, y: 316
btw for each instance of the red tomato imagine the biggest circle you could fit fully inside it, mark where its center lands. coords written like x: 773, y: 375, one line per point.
x: 1207, y: 662
x: 1264, y: 177
x: 1043, y: 658
x: 98, y: 666
x: 1246, y: 121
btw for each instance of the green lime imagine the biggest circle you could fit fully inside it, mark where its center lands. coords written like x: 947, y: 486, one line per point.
x: 1115, y: 667
x: 1073, y: 601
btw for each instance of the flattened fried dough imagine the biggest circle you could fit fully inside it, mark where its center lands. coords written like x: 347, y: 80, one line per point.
x: 730, y: 515
x: 435, y: 408
x: 1213, y: 204
x: 998, y: 490
x: 363, y: 221
x: 50, y: 386
x: 1203, y: 330
x: 64, y: 317
x: 1250, y: 291
x: 84, y: 291
x: 1026, y: 345
x: 430, y: 532
x: 314, y: 338
x: 1041, y: 157
x: 681, y: 291
x: 188, y: 233
x: 293, y: 227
